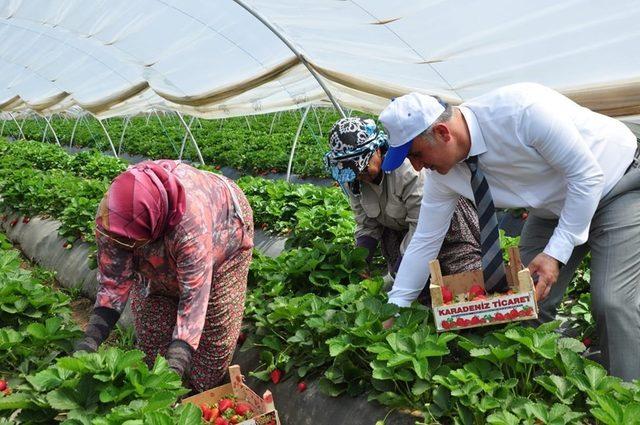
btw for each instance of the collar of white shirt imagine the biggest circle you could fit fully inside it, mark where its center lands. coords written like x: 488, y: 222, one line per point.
x: 478, y: 145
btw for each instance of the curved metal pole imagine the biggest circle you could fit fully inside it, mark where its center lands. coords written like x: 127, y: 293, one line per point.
x: 295, y: 51
x: 113, y: 148
x: 317, y: 120
x: 2, y: 130
x: 73, y: 132
x: 16, y: 121
x: 52, y: 130
x: 193, y: 139
x: 295, y: 141
x: 184, y: 139
x: 46, y: 128
x: 124, y: 128
x: 273, y: 121
x: 86, y: 124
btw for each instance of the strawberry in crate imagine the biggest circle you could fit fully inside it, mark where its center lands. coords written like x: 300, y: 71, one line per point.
x: 228, y: 410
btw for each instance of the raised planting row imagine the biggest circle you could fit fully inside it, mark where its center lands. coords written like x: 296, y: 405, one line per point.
x: 40, y: 384
x: 311, y: 315
x: 302, y: 212
x: 254, y: 145
x: 41, y: 179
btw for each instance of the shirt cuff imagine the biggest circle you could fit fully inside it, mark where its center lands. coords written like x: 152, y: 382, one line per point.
x: 399, y: 302
x: 558, y: 249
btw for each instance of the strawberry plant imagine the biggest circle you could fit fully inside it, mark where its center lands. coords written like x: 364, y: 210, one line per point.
x: 258, y: 147
x: 109, y: 384
x: 405, y: 365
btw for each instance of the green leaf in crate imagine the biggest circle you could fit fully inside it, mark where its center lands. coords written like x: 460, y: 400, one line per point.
x: 190, y: 415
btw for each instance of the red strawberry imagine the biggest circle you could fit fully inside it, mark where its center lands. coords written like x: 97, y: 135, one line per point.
x: 302, y: 387
x: 460, y: 321
x: 243, y: 408
x: 447, y: 296
x: 475, y: 291
x: 445, y: 324
x: 215, y: 412
x: 513, y: 314
x: 14, y: 222
x: 241, y: 338
x: 475, y: 320
x: 26, y: 220
x: 206, y: 411
x: 217, y: 167
x: 499, y: 316
x: 221, y: 421
x: 525, y: 215
x: 480, y: 298
x: 235, y: 419
x: 224, y: 404
x: 276, y: 375
x: 587, y: 341
x: 3, y: 385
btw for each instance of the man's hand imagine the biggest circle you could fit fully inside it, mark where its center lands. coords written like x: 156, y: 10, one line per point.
x: 547, y: 269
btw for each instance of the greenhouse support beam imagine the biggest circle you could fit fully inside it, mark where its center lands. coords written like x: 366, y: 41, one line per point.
x: 295, y: 51
x: 73, y: 132
x: 273, y: 121
x: 184, y: 139
x: 295, y: 141
x: 317, y: 120
x: 113, y: 148
x: 19, y: 127
x: 2, y: 130
x: 52, y: 130
x: 193, y: 139
x: 46, y: 128
x: 124, y: 128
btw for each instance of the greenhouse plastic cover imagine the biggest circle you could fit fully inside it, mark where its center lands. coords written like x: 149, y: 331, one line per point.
x: 212, y: 58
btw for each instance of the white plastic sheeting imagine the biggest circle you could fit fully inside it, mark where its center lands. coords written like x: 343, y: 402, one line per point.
x: 211, y: 58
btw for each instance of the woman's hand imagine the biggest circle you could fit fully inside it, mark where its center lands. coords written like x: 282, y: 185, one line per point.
x: 388, y: 323
x: 547, y: 269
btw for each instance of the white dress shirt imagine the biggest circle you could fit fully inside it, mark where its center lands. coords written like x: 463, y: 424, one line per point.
x: 538, y: 150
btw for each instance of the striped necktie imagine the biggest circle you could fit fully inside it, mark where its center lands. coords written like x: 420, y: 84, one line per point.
x: 492, y: 264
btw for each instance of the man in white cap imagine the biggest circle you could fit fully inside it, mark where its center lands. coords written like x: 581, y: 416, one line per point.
x: 527, y: 146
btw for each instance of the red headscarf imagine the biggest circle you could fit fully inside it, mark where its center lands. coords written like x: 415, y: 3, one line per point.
x: 144, y: 202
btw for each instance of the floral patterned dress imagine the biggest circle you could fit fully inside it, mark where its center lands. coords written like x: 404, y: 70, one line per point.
x: 190, y: 284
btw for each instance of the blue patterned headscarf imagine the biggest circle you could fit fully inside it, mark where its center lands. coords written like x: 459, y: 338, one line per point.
x: 353, y: 142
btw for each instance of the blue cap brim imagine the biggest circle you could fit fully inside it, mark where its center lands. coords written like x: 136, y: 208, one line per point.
x: 395, y: 156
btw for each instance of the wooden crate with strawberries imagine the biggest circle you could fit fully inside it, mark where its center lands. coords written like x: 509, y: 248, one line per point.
x: 459, y: 301
x: 235, y: 403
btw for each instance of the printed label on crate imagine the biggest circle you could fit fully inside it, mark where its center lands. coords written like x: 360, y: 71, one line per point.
x: 266, y: 419
x: 478, y: 313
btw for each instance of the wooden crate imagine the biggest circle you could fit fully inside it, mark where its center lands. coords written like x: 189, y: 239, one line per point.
x: 263, y: 407
x: 519, y: 304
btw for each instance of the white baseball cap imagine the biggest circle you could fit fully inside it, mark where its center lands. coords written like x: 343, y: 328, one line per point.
x: 404, y: 118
